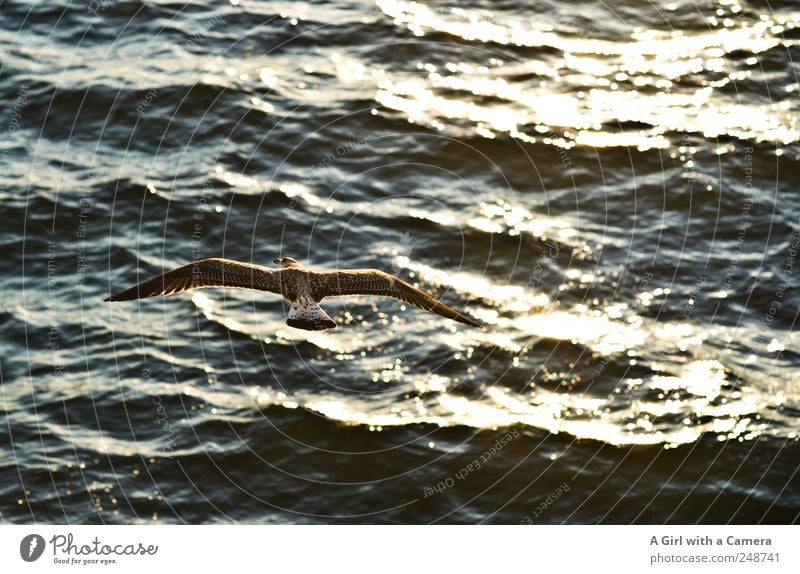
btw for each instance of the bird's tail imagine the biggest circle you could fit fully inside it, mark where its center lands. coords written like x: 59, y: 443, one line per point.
x: 305, y: 313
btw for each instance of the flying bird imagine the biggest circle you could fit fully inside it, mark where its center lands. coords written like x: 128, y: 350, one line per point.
x: 302, y: 288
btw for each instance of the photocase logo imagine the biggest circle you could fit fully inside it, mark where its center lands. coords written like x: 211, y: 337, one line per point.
x: 31, y: 547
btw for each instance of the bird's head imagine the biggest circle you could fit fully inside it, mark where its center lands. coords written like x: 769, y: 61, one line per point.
x: 285, y: 261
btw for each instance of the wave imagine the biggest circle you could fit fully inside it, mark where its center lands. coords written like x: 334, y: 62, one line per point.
x: 593, y: 81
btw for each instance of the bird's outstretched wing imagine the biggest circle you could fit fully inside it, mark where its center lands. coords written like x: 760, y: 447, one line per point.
x: 375, y: 282
x: 212, y: 272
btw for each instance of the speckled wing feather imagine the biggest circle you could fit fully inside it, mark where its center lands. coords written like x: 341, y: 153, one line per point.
x: 375, y: 282
x: 213, y: 272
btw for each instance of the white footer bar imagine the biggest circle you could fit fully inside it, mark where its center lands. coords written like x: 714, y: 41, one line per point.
x: 407, y: 549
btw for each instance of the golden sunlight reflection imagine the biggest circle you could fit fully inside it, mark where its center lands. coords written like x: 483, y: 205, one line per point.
x: 593, y: 83
x: 612, y: 420
x: 473, y: 25
x: 511, y: 297
x: 676, y: 405
x: 594, y: 330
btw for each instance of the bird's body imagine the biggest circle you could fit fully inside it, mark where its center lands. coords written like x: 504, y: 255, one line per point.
x: 302, y: 288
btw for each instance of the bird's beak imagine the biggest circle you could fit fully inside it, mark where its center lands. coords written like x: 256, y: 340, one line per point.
x: 276, y: 261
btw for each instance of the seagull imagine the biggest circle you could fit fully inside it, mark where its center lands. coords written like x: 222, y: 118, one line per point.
x: 302, y: 288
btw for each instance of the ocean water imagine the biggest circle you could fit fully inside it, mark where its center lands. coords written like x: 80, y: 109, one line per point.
x: 611, y: 188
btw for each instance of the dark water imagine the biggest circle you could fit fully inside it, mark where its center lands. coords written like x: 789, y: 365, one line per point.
x: 613, y: 189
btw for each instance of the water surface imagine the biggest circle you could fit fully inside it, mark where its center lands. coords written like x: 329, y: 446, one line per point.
x: 612, y: 189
